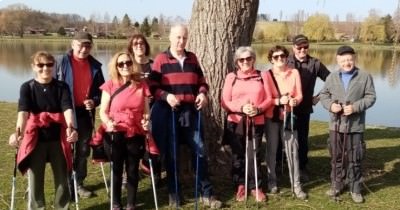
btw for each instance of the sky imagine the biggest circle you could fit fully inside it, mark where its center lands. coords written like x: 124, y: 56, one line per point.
x: 139, y: 9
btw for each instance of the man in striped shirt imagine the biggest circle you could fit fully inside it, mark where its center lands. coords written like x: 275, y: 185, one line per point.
x: 179, y: 89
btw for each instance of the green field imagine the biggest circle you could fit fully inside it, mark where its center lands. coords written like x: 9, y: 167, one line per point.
x: 381, y: 173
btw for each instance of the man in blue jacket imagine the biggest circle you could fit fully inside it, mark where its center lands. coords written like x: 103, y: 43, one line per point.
x: 83, y: 74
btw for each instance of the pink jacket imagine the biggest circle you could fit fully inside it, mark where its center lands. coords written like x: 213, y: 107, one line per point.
x: 248, y: 87
x: 30, y: 139
x: 288, y: 82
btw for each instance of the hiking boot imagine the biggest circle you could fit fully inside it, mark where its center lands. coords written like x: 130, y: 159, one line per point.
x: 299, y: 193
x: 274, y: 190
x: 240, y: 194
x: 173, y: 199
x: 332, y: 192
x: 83, y: 192
x: 304, y: 176
x: 211, y: 202
x: 357, y: 197
x: 258, y: 195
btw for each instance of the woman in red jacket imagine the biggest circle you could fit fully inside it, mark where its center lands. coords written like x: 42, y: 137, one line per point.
x: 245, y: 96
x: 45, y: 131
x: 285, y: 85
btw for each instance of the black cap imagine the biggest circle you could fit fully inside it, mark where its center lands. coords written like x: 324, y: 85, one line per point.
x: 82, y: 36
x: 300, y: 39
x: 345, y: 50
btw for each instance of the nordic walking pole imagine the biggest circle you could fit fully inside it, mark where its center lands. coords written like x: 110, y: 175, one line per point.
x: 292, y: 145
x: 175, y: 162
x: 283, y: 131
x: 151, y: 172
x: 111, y: 172
x: 334, y: 147
x: 74, y: 177
x: 246, y: 170
x: 197, y: 157
x: 15, y: 172
x: 254, y: 156
x: 345, y: 133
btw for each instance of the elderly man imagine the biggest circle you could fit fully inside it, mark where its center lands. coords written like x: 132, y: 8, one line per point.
x: 309, y: 68
x: 347, y: 94
x: 83, y: 74
x: 179, y: 89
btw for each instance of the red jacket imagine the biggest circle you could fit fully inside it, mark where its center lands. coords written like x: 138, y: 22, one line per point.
x: 30, y: 139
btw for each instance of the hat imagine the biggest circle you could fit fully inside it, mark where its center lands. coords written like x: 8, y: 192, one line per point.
x: 345, y: 50
x: 300, y: 39
x: 83, y: 37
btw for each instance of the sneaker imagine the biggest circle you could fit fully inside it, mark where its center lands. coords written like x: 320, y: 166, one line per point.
x: 116, y: 207
x: 83, y: 192
x: 332, y: 192
x: 357, y: 197
x: 130, y: 207
x: 173, y: 199
x: 304, y: 176
x: 211, y: 202
x: 274, y: 190
x: 240, y: 194
x: 258, y: 195
x: 300, y: 194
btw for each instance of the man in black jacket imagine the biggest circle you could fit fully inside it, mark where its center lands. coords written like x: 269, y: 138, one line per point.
x: 309, y: 68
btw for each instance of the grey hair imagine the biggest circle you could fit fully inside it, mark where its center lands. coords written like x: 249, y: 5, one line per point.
x: 242, y: 49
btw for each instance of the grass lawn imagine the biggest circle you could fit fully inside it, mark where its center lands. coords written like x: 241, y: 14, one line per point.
x: 381, y: 173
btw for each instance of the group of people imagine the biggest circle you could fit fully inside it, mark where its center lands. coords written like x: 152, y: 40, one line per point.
x: 156, y: 106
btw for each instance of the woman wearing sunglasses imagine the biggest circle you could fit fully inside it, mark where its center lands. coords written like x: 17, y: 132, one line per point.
x: 124, y: 113
x: 44, y: 132
x: 245, y: 97
x: 285, y: 85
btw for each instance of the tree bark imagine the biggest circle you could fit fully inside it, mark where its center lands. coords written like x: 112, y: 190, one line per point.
x: 217, y: 28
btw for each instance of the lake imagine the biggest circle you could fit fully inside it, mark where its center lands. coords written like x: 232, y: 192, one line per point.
x: 384, y: 65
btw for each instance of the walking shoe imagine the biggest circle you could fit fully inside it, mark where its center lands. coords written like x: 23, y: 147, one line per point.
x: 130, y: 207
x: 116, y: 207
x: 299, y: 193
x: 304, y: 176
x: 273, y: 190
x: 332, y: 192
x: 357, y: 197
x: 173, y: 199
x: 211, y: 202
x: 240, y: 194
x: 258, y: 194
x: 83, y: 192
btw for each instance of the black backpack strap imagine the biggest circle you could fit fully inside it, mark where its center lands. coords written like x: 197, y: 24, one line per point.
x: 119, y: 90
x: 275, y: 83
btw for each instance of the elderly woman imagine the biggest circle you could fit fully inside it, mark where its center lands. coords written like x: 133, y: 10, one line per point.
x: 245, y: 96
x: 124, y: 113
x: 285, y: 85
x: 45, y: 131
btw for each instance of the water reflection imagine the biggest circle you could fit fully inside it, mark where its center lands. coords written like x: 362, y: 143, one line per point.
x: 384, y: 65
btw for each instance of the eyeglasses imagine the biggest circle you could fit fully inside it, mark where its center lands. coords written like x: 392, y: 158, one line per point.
x: 248, y: 59
x: 302, y: 47
x: 87, y: 45
x: 275, y: 57
x: 123, y: 63
x: 41, y: 65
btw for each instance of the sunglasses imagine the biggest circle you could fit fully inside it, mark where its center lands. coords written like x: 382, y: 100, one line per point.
x: 248, y: 59
x: 275, y: 57
x: 302, y: 47
x: 41, y: 65
x: 138, y: 44
x: 123, y: 63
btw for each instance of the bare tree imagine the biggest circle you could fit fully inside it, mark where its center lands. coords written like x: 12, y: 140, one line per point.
x: 217, y: 29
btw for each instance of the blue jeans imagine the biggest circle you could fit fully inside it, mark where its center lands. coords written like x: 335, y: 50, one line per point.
x: 186, y: 132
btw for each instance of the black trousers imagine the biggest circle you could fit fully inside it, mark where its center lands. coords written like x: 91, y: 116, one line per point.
x: 124, y: 152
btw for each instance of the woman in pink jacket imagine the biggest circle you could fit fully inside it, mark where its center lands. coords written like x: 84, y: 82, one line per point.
x: 125, y: 119
x: 245, y: 96
x: 285, y: 85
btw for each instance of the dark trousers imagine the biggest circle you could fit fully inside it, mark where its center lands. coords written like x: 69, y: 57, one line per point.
x: 82, y: 148
x: 347, y: 152
x: 168, y: 140
x: 124, y: 152
x: 303, y: 127
x: 237, y: 143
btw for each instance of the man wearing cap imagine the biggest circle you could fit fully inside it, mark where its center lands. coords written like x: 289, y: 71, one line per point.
x: 347, y: 94
x: 83, y: 74
x: 309, y: 68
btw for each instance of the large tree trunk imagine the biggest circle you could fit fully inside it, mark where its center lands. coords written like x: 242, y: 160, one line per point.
x: 217, y: 28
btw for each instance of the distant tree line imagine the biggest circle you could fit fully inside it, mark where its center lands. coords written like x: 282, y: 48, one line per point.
x: 20, y: 20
